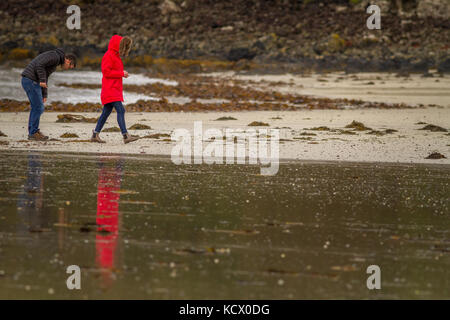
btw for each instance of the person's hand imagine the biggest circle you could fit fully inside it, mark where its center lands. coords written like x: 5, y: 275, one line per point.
x: 45, y: 100
x: 125, y: 74
x: 43, y: 84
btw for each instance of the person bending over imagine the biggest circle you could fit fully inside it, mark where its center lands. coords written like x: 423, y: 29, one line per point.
x: 35, y: 83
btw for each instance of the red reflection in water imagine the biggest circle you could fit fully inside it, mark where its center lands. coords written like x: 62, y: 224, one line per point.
x: 109, y: 180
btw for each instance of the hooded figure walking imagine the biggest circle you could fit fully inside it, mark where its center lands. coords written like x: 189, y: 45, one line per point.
x: 112, y: 95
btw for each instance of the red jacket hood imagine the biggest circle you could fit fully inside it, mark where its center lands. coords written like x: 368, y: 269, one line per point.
x: 114, y: 43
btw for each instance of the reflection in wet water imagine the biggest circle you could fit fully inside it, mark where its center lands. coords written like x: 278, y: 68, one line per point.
x: 145, y: 228
x: 30, y: 200
x: 108, y: 197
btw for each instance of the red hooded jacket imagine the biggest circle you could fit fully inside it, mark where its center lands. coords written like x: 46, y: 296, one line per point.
x: 112, y: 70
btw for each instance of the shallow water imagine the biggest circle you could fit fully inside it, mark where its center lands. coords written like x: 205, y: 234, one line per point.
x: 141, y: 227
x: 11, y: 88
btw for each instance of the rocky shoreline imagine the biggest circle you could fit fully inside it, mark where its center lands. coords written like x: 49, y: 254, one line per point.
x: 276, y: 36
x: 194, y: 93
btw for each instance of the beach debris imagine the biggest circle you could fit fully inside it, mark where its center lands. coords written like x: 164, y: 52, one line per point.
x: 258, y: 124
x: 38, y: 229
x: 437, y: 247
x: 279, y: 271
x: 104, y: 232
x: 303, y: 138
x: 69, y: 135
x: 436, y: 155
x: 157, y: 136
x: 382, y: 132
x: 402, y: 74
x: 112, y: 129
x: 342, y: 131
x: 321, y: 128
x: 80, y: 140
x: 345, y: 268
x: 308, y: 134
x: 4, y: 143
x: 2, y: 134
x: 433, y: 128
x: 70, y: 118
x: 139, y: 126
x: 358, y: 126
x: 85, y: 229
x: 420, y: 122
x: 235, y: 232
x: 225, y: 119
x: 88, y: 226
x: 123, y: 191
x: 184, y: 251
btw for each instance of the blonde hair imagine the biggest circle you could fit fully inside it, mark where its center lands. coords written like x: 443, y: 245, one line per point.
x: 125, y: 46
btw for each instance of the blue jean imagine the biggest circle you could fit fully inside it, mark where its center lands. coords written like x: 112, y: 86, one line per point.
x: 107, y: 109
x: 34, y: 94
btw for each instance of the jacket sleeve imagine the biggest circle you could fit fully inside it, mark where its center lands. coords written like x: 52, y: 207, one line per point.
x: 45, y: 60
x: 108, y: 70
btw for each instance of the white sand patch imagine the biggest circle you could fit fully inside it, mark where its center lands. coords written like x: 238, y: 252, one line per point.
x: 408, y: 145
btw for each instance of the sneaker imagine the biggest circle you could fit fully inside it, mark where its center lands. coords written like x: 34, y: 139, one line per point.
x: 96, y: 138
x: 129, y: 138
x: 42, y: 135
x: 37, y: 137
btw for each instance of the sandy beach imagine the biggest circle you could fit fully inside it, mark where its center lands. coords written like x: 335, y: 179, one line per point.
x: 411, y: 89
x: 304, y: 134
x: 408, y: 144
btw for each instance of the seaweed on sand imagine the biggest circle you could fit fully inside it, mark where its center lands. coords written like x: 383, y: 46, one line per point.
x: 433, y: 128
x: 258, y: 124
x: 69, y: 135
x: 358, y: 126
x: 139, y: 126
x: 70, y: 118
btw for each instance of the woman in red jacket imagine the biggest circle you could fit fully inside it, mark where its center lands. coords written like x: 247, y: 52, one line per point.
x: 112, y: 96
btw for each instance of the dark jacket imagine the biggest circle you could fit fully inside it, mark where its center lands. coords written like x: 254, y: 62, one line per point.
x: 41, y: 67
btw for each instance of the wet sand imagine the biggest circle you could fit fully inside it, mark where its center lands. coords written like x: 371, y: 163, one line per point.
x: 141, y: 227
x: 408, y: 144
x: 411, y: 89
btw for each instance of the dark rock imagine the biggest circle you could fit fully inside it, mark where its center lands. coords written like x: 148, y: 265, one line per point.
x: 42, y: 47
x: 9, y: 45
x: 436, y: 155
x: 236, y: 54
x: 259, y: 45
x: 433, y: 128
x: 444, y: 66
